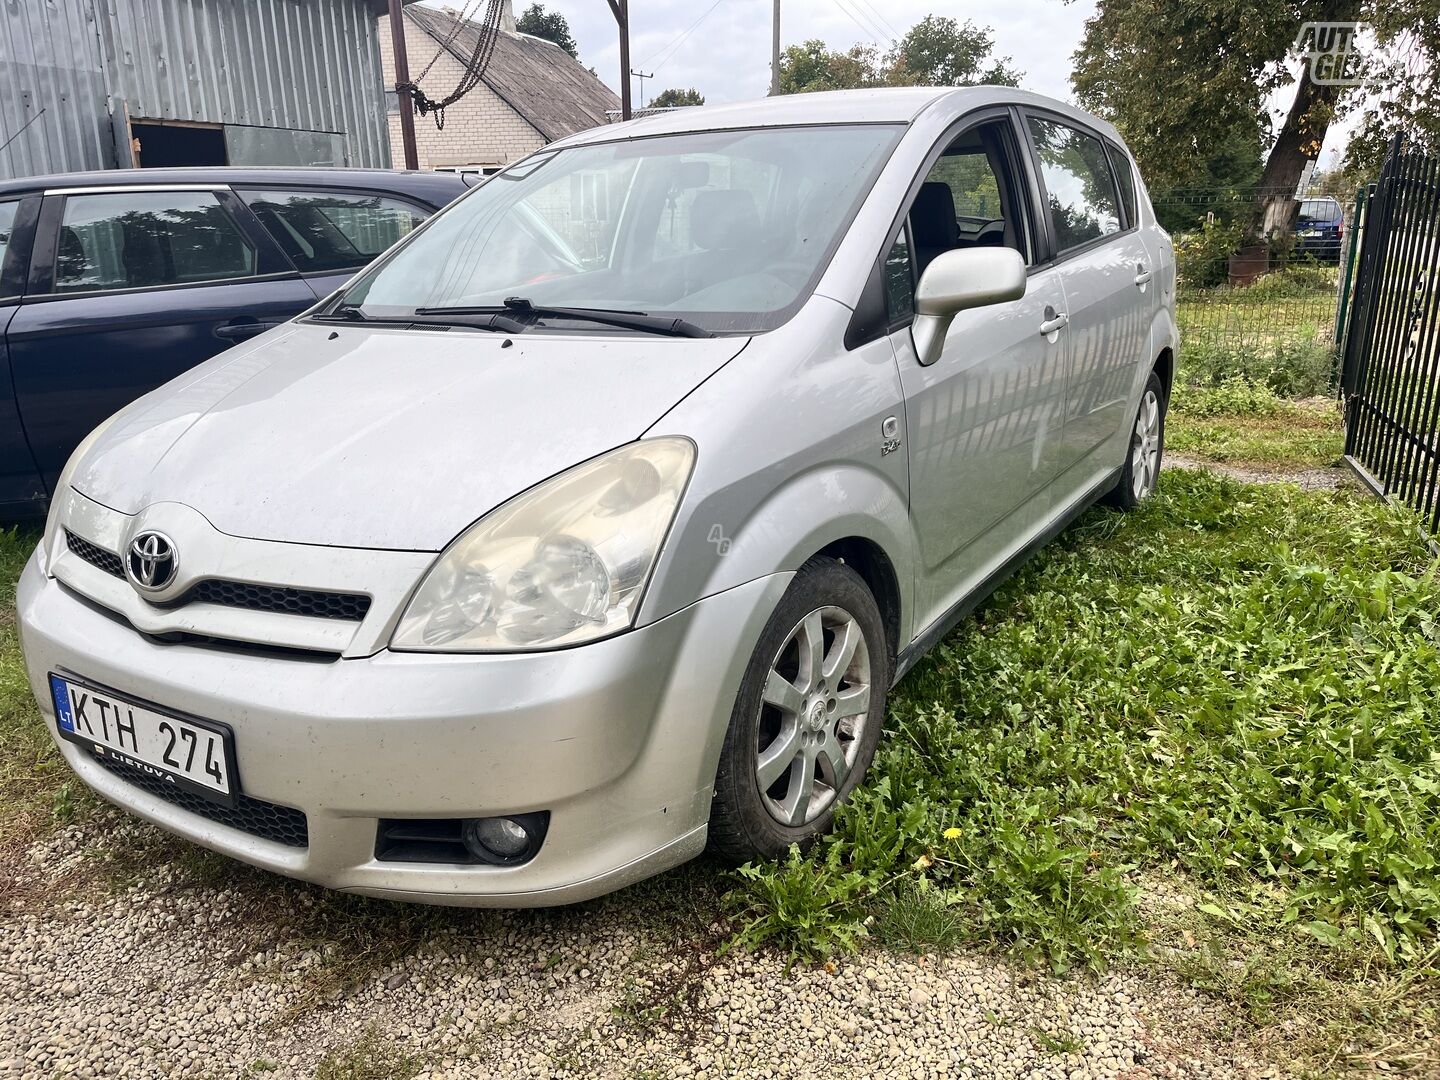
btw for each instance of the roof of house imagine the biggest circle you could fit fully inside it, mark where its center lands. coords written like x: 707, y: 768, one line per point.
x: 538, y: 79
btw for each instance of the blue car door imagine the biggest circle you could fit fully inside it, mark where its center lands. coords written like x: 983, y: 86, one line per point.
x: 22, y: 494
x: 128, y: 288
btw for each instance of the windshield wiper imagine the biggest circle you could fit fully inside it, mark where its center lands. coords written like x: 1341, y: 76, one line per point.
x: 629, y: 320
x: 474, y: 318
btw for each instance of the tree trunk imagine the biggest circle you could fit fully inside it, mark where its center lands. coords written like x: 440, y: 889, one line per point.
x: 1301, y: 137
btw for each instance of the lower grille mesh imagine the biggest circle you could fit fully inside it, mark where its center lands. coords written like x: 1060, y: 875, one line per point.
x: 279, y: 824
x: 96, y: 556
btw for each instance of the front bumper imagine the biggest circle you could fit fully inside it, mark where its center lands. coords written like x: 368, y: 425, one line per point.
x: 619, y: 740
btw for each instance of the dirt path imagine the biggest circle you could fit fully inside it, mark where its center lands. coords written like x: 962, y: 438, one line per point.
x: 202, y: 969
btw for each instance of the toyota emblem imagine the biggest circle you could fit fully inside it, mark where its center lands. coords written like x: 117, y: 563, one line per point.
x: 150, y: 563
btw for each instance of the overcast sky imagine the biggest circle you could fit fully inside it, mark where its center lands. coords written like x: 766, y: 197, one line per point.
x: 722, y: 47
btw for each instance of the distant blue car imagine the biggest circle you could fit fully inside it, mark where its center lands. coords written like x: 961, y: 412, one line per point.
x: 1320, y: 229
x: 113, y: 283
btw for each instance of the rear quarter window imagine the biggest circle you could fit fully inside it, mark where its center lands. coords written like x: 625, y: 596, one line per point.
x: 324, y: 231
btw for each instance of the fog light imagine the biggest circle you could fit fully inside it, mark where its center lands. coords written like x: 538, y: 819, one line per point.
x: 503, y: 839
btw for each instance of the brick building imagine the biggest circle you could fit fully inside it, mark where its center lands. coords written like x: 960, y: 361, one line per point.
x: 533, y: 92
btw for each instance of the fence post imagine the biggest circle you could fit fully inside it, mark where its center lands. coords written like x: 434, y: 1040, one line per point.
x: 1347, y: 277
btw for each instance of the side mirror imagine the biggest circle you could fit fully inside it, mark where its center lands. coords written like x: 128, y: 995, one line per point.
x: 956, y: 281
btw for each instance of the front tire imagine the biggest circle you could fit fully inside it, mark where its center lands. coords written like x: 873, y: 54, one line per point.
x: 807, y: 718
x: 1141, y: 471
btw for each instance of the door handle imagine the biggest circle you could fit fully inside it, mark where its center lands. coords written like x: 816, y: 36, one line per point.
x: 1054, y: 322
x: 1142, y: 275
x: 240, y: 329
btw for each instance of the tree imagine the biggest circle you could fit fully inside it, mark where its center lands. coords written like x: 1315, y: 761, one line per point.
x: 936, y: 51
x: 1179, y: 80
x: 550, y: 25
x: 673, y: 98
x: 812, y: 66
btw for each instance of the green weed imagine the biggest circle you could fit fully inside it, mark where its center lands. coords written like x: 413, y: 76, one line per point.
x: 1234, y: 681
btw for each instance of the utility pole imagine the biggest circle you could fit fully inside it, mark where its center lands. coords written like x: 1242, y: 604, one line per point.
x: 642, y: 77
x: 621, y: 10
x: 403, y: 99
x: 775, y: 52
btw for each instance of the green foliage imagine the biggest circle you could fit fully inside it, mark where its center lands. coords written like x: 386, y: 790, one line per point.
x: 1236, y: 395
x: 675, y: 98
x: 1236, y: 681
x: 937, y: 51
x: 1202, y: 258
x: 550, y: 25
x: 813, y: 66
x: 1293, y: 369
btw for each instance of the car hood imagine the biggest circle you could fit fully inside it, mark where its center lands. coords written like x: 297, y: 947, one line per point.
x: 385, y: 437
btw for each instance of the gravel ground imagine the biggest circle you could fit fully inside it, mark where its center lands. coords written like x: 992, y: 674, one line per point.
x: 227, y: 972
x: 1304, y: 479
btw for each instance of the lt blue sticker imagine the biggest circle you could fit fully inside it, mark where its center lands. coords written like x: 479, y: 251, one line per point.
x: 63, y: 715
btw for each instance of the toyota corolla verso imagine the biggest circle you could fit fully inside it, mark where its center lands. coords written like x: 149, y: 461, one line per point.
x: 592, y: 524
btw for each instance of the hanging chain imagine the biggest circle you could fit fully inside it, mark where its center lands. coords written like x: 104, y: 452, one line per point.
x: 489, y: 34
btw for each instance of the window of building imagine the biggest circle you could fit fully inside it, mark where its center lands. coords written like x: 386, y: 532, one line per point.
x: 147, y: 239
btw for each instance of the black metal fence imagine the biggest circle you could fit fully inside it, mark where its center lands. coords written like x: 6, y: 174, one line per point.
x: 1390, y: 379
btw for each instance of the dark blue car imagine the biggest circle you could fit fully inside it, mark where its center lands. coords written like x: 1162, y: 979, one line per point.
x: 1320, y: 228
x: 112, y: 283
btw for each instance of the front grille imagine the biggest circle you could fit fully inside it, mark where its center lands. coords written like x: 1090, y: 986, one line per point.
x: 278, y: 824
x: 95, y: 556
x: 240, y: 594
x: 350, y: 607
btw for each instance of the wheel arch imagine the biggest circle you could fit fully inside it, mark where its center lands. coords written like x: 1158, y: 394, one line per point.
x: 870, y: 561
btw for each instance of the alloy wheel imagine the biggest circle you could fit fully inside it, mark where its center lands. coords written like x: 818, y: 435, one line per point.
x: 1145, y: 447
x: 813, y: 712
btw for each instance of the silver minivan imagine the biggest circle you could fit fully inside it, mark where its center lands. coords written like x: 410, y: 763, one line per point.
x: 592, y: 524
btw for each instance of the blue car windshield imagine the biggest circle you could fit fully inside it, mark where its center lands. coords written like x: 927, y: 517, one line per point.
x: 729, y: 230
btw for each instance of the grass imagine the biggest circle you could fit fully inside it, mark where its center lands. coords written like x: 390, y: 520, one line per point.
x: 1235, y: 683
x: 1294, y: 437
x: 32, y: 777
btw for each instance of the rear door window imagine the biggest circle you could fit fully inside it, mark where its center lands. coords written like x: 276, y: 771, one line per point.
x: 1125, y: 181
x: 148, y: 239
x: 326, y: 231
x: 9, y: 276
x: 1078, y: 183
x: 7, y: 223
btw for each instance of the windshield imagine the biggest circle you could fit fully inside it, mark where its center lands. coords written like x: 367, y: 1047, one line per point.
x: 728, y: 230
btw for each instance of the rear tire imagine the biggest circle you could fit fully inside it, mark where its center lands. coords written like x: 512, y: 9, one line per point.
x: 807, y: 717
x: 1146, y: 450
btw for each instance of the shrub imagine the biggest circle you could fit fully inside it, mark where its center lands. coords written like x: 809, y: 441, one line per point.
x: 1202, y: 258
x: 1301, y: 367
x: 1237, y: 395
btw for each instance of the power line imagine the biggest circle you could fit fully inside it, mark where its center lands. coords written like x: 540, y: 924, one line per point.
x: 869, y: 31
x: 869, y: 7
x: 673, y: 47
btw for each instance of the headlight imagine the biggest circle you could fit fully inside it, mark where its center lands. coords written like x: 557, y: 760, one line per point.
x: 564, y: 563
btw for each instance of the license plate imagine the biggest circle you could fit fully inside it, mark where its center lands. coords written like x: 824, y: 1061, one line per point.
x: 195, y: 755
x: 1309, y: 232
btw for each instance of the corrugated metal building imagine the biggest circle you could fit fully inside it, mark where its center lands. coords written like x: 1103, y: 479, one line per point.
x: 98, y: 84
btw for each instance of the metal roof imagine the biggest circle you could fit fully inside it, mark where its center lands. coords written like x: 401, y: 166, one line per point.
x: 538, y: 79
